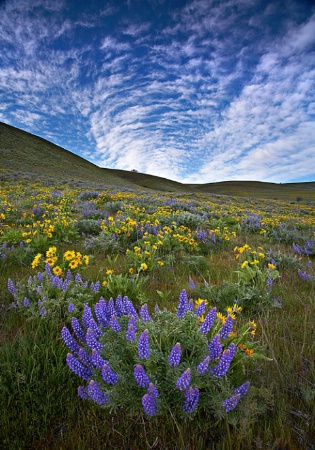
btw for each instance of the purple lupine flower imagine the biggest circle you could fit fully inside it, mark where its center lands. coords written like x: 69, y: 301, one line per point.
x: 85, y: 358
x: 87, y: 316
x: 202, y: 368
x: 175, y: 355
x: 30, y: 281
x: 96, y: 394
x: 192, y: 283
x: 64, y: 285
x: 111, y: 311
x: 129, y: 307
x: 48, y: 270
x: 43, y: 311
x: 141, y: 377
x: 77, y: 329
x: 213, y: 239
x: 96, y: 330
x: 82, y: 392
x: 26, y: 302
x: 156, y: 308
x: 304, y: 275
x: 152, y: 390
x: 143, y: 345
x: 269, y: 282
x: 227, y: 328
x: 108, y: 375
x: 190, y: 305
x: 215, y: 347
x: 191, y: 400
x: 231, y: 403
x: 97, y: 359
x: 116, y: 327
x: 69, y: 340
x: 120, y: 307
x: 11, y: 287
x: 131, y: 333
x: 308, y: 264
x: 182, y: 304
x: 95, y: 287
x: 40, y: 277
x: 144, y: 313
x: 78, y: 368
x: 201, y: 309
x: 243, y: 389
x: 78, y: 278
x: 91, y: 340
x: 68, y: 276
x: 149, y: 404
x: 100, y: 309
x: 224, y: 363
x: 71, y: 308
x: 133, y: 321
x: 209, y: 321
x: 184, y: 380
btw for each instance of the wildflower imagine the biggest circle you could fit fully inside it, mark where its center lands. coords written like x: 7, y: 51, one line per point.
x: 149, y: 405
x: 221, y: 317
x: 144, y: 266
x: 71, y: 308
x: 143, y: 345
x: 231, y: 403
x: 78, y: 368
x: 129, y: 307
x: 116, y: 327
x: 108, y: 375
x: 96, y: 394
x: 244, y: 264
x: 144, y: 313
x: 87, y: 316
x: 82, y: 392
x: 182, y: 304
x: 96, y: 330
x: 209, y: 321
x: 26, y: 302
x: 202, y: 368
x: 100, y: 310
x: 224, y: 363
x: 227, y: 328
x: 201, y: 308
x: 69, y: 255
x: 92, y: 342
x: 73, y: 264
x: 175, y: 355
x: 215, y: 347
x: 141, y: 377
x: 85, y: 358
x: 184, y: 380
x: 249, y: 352
x: 109, y: 272
x: 243, y: 389
x: 77, y: 329
x: 97, y: 359
x: 161, y: 263
x: 192, y: 283
x: 69, y: 340
x: 191, y: 400
x: 152, y: 390
x: 130, y: 270
x: 131, y: 333
x: 11, y: 287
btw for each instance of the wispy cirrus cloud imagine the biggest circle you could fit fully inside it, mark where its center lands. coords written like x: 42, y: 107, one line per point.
x: 199, y: 91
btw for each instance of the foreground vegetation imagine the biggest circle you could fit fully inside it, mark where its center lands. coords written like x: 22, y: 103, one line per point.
x: 233, y: 278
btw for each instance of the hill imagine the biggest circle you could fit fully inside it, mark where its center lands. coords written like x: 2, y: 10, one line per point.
x: 27, y: 157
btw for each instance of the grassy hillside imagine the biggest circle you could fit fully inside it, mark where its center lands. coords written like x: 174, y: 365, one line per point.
x: 29, y: 157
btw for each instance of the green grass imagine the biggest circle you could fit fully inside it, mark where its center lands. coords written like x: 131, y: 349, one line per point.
x: 39, y: 405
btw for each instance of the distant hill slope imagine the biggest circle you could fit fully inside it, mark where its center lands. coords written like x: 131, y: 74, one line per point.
x: 26, y: 157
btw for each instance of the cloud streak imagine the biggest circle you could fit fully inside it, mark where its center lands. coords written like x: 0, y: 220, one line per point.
x: 200, y: 92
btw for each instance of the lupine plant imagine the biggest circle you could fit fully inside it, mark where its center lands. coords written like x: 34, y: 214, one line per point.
x: 160, y: 362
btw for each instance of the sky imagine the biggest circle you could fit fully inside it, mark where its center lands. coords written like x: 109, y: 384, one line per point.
x: 196, y: 91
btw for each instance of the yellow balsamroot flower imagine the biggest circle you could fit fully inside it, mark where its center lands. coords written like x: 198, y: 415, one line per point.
x: 86, y: 259
x: 161, y: 263
x: 73, y: 264
x: 51, y: 261
x: 28, y: 241
x: 69, y: 255
x: 109, y: 272
x: 244, y: 264
x: 221, y: 317
x: 36, y: 260
x: 104, y: 283
x: 130, y: 270
x: 253, y: 263
x: 271, y: 266
x: 261, y: 255
x: 57, y: 270
x: 144, y: 266
x: 199, y: 301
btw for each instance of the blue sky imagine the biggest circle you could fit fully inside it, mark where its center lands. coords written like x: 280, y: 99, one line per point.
x: 195, y: 91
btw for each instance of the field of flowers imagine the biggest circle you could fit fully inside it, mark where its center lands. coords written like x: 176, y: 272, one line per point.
x: 141, y: 320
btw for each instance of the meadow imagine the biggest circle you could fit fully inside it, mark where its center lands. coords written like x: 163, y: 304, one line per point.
x: 139, y: 319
